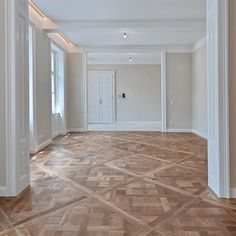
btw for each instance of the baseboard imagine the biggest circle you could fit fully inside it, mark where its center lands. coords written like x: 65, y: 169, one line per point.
x: 127, y: 126
x: 101, y: 127
x: 76, y: 130
x: 233, y: 193
x: 3, y: 191
x: 138, y: 126
x: 43, y: 145
x: 61, y: 133
x: 179, y: 130
x: 199, y: 133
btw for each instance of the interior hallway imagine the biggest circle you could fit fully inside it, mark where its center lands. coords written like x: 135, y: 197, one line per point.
x: 119, y: 183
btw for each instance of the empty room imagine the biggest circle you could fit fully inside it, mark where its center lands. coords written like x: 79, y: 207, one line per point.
x: 117, y: 118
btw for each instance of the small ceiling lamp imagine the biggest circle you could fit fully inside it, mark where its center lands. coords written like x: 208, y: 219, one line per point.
x: 125, y: 35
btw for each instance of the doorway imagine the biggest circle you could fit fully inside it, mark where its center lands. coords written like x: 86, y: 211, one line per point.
x: 101, y: 99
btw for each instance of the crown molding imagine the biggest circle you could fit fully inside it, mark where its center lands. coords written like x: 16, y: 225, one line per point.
x: 139, y: 48
x: 201, y: 43
x: 72, y: 26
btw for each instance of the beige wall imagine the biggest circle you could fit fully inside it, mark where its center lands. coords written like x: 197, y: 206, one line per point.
x: 179, y: 90
x: 199, y: 76
x: 142, y: 86
x: 43, y: 87
x: 2, y: 97
x: 232, y: 85
x: 76, y: 94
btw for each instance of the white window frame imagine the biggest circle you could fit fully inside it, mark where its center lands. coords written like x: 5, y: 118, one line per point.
x: 55, y: 76
x: 58, y: 80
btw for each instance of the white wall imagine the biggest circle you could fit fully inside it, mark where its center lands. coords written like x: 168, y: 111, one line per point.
x: 179, y: 91
x: 43, y: 87
x: 76, y: 93
x: 142, y: 86
x: 2, y: 97
x: 200, y: 91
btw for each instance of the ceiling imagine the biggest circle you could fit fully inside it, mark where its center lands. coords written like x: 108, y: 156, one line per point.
x: 101, y: 23
x: 79, y: 10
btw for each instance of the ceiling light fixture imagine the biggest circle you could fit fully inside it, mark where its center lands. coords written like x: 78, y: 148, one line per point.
x: 37, y: 10
x: 124, y: 35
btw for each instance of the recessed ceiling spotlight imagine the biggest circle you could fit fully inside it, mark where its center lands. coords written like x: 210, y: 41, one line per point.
x: 125, y: 35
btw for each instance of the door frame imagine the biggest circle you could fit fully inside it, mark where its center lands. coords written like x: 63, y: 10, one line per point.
x: 218, y: 97
x: 104, y: 126
x: 33, y: 148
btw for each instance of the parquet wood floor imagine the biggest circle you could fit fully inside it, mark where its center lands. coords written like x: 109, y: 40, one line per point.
x: 119, y: 184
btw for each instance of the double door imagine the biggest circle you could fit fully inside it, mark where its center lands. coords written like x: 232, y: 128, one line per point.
x: 101, y: 97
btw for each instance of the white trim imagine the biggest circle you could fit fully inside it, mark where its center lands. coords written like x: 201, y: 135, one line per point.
x: 113, y: 61
x: 10, y: 71
x: 101, y: 127
x: 224, y: 93
x: 43, y: 145
x: 179, y: 131
x: 85, y: 91
x: 73, y: 26
x: 199, y: 133
x: 138, y: 125
x: 77, y: 130
x: 138, y: 48
x: 127, y: 126
x: 61, y: 133
x: 233, y: 193
x: 34, y: 88
x: 201, y: 43
x: 218, y: 97
x: 163, y: 90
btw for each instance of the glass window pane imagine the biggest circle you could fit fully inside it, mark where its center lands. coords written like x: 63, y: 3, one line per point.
x: 52, y: 62
x: 53, y: 83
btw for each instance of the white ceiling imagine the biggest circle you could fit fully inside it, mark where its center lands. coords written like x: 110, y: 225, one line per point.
x: 77, y: 10
x: 100, y: 23
x: 102, y: 37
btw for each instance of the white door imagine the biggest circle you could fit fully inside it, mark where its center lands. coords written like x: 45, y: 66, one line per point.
x: 93, y: 98
x: 100, y: 97
x: 106, y: 97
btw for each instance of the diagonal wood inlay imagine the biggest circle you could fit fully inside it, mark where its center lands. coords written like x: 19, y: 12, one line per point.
x: 119, y: 184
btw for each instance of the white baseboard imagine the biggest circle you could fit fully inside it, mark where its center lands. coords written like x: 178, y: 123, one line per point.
x: 43, y: 145
x: 233, y: 193
x: 76, y: 130
x: 101, y: 127
x: 179, y: 130
x: 61, y: 133
x: 3, y: 191
x: 199, y: 133
x: 127, y: 126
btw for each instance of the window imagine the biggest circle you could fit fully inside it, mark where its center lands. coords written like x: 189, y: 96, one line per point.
x: 57, y: 90
x: 54, y: 81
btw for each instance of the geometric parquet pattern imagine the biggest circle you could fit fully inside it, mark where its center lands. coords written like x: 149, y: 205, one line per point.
x: 119, y: 184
